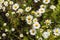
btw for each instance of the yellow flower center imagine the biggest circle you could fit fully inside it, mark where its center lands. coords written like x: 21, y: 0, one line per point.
x: 42, y: 6
x: 28, y: 8
x: 37, y: 13
x: 36, y: 25
x: 56, y: 30
x: 41, y: 10
x: 35, y: 20
x: 47, y: 21
x: 46, y: 1
x: 33, y: 31
x: 29, y: 18
x: 15, y: 6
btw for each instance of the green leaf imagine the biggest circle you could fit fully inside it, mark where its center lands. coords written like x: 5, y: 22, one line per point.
x: 25, y: 38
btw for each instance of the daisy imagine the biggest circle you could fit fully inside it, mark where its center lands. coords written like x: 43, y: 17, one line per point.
x: 3, y: 34
x: 46, y: 34
x: 41, y: 10
x: 35, y: 20
x: 48, y: 22
x: 13, y: 29
x: 21, y: 35
x: 6, y: 30
x: 6, y: 3
x: 52, y: 7
x: 32, y: 32
x: 15, y: 6
x: 43, y: 6
x: 28, y: 9
x: 3, y: 8
x: 11, y: 2
x: 29, y: 17
x: 37, y: 14
x: 56, y: 31
x: 29, y: 22
x: 36, y: 25
x: 7, y: 14
x: 20, y: 11
x: 4, y: 24
x: 46, y: 1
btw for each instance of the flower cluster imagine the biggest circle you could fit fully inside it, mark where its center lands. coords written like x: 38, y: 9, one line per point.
x: 25, y: 22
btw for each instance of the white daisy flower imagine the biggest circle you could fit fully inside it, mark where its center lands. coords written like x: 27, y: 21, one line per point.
x: 36, y: 25
x: 29, y: 22
x: 6, y: 3
x: 11, y: 2
x: 41, y: 10
x: 37, y: 14
x: 46, y: 1
x: 46, y: 34
x: 35, y: 20
x: 43, y: 6
x: 7, y: 14
x: 1, y: 1
x: 13, y: 29
x: 21, y: 35
x: 3, y: 8
x: 15, y: 6
x: 4, y: 24
x: 28, y: 9
x: 6, y: 30
x: 3, y: 34
x: 52, y: 7
x: 29, y: 17
x: 36, y: 1
x: 20, y: 11
x: 32, y: 32
x: 48, y: 22
x: 56, y: 31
